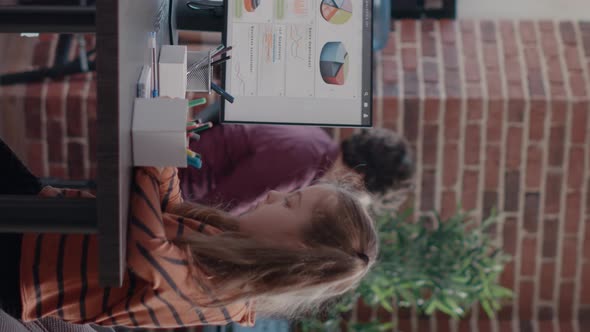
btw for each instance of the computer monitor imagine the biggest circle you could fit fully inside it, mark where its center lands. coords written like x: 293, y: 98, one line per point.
x: 299, y: 62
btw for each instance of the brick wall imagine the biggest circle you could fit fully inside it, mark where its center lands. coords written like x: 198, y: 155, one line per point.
x: 498, y: 114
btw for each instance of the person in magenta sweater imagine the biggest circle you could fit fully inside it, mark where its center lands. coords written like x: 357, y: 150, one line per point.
x: 242, y: 162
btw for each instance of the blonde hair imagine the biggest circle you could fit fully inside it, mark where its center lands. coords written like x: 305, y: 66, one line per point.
x: 340, y: 246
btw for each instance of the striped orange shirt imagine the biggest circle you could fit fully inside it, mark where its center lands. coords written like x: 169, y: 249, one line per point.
x: 59, y: 273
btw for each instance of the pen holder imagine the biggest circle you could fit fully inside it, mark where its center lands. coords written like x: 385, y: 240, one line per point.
x: 199, y: 71
x: 159, y: 132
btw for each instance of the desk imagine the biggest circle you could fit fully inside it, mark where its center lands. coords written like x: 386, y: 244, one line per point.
x: 121, y: 32
x: 121, y: 40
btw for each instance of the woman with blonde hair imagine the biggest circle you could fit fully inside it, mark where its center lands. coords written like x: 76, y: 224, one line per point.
x: 191, y: 265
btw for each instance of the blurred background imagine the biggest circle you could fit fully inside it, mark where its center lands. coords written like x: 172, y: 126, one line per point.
x: 492, y: 95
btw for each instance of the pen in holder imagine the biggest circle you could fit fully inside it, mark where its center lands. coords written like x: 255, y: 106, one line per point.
x: 199, y: 71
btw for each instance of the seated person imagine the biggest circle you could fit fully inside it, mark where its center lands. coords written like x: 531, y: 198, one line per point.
x: 242, y: 162
x: 187, y: 264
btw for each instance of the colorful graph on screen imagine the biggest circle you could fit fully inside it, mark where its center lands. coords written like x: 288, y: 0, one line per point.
x: 251, y: 5
x: 336, y: 11
x: 334, y: 63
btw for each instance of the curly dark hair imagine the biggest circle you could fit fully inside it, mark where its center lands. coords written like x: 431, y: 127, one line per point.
x: 382, y: 156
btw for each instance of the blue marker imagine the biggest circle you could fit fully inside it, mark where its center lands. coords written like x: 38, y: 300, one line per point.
x: 195, y: 162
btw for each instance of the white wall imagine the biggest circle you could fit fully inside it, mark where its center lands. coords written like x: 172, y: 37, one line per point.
x: 532, y: 9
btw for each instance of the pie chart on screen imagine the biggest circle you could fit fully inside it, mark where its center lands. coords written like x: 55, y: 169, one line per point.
x: 334, y: 63
x: 336, y: 11
x: 251, y: 5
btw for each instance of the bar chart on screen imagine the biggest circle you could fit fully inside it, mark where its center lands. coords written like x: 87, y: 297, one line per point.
x: 294, y: 10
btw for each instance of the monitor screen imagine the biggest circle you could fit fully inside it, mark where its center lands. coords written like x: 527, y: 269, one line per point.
x: 306, y: 62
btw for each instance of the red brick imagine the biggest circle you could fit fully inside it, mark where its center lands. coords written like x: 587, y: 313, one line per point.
x: 587, y: 240
x: 430, y: 145
x: 452, y: 120
x: 389, y: 68
x: 408, y: 31
x: 558, y: 112
x: 494, y: 84
x: 474, y: 109
x: 568, y: 33
x: 54, y: 100
x: 390, y: 47
x: 432, y: 110
x: 585, y: 294
x: 423, y: 325
x: 510, y: 235
x: 452, y: 83
x: 580, y: 123
x: 511, y: 190
x: 33, y: 117
x: 448, y: 31
x: 76, y: 161
x: 495, y: 121
x: 507, y: 279
x: 566, y: 300
x: 488, y: 31
x: 588, y: 197
x: 531, y: 212
x: 411, y: 84
x: 516, y: 110
x: 528, y: 257
x: 525, y: 300
x: 55, y: 141
x: 36, y: 158
x: 472, y: 144
x: 42, y: 55
x: 512, y: 68
x: 492, y: 166
x: 450, y: 56
x: 546, y: 326
x: 578, y: 84
x: 430, y: 71
x: 428, y: 192
x: 449, y: 204
x: 516, y: 91
x: 346, y: 133
x: 364, y: 312
x: 547, y: 281
x: 508, y: 38
x: 549, y: 44
x: 537, y: 116
x: 573, y: 216
x: 533, y: 60
x: 450, y: 164
x: 536, y: 83
x: 572, y: 58
x: 409, y: 58
x: 469, y: 41
x: 575, y: 173
x: 92, y: 139
x: 57, y: 171
x: 428, y: 45
x: 556, y: 146
x: 513, y: 148
x: 554, y: 70
x: 553, y: 189
x: 558, y: 91
x: 550, y: 235
x: 472, y: 72
x: 411, y: 116
x: 431, y: 90
x: 527, y: 32
x: 586, y: 42
x: 390, y: 113
x: 470, y: 190
x: 490, y: 203
x: 490, y: 55
x: 505, y: 326
x: 405, y: 325
x: 569, y: 257
x: 474, y: 94
x: 534, y: 167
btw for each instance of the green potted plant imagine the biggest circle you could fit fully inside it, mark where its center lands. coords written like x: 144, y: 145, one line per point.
x: 432, y: 265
